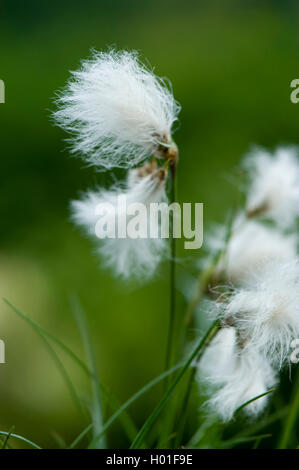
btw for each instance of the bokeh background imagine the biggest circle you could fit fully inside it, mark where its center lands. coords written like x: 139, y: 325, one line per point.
x: 231, y: 64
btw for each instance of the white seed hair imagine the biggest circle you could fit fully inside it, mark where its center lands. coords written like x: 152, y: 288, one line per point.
x: 126, y: 257
x: 273, y: 184
x: 267, y: 309
x: 117, y: 111
x: 250, y: 246
x: 233, y: 376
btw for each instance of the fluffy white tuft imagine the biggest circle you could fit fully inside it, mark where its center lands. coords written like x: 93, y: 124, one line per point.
x: 267, y: 309
x: 234, y: 376
x: 250, y: 246
x: 117, y: 110
x: 127, y: 257
x: 274, y: 185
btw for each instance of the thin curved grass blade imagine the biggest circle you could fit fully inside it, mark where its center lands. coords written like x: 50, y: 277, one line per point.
x: 55, y: 358
x: 20, y: 438
x: 292, y: 416
x: 152, y: 418
x: 241, y: 440
x: 126, y: 420
x: 46, y: 333
x: 129, y: 402
x: 254, y: 399
x: 5, y: 442
x: 97, y: 412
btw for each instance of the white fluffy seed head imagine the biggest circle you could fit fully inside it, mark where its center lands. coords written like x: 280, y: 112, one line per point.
x: 117, y: 110
x: 267, y: 309
x: 273, y: 184
x: 233, y: 376
x: 126, y: 257
x: 249, y: 247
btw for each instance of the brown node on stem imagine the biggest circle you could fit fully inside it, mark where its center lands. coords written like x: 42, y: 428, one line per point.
x: 169, y: 152
x: 154, y: 170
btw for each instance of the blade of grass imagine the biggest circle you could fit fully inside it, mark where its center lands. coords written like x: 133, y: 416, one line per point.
x: 278, y: 415
x: 81, y: 436
x: 291, y: 416
x: 5, y: 442
x: 65, y: 377
x: 46, y: 333
x: 183, y: 413
x: 152, y: 418
x: 196, y: 438
x: 202, y: 284
x: 129, y: 402
x: 59, y: 440
x: 242, y: 440
x: 254, y: 399
x: 55, y: 358
x: 126, y: 420
x: 170, y: 336
x: 20, y: 438
x: 257, y: 443
x: 97, y: 413
x: 200, y: 432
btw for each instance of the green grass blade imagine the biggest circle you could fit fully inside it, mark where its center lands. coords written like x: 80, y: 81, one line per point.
x: 5, y: 442
x: 126, y: 420
x: 291, y: 416
x: 81, y: 436
x: 47, y: 334
x: 256, y: 427
x: 152, y: 418
x: 129, y: 402
x: 60, y: 442
x: 97, y: 413
x: 55, y: 358
x: 183, y: 412
x: 254, y: 399
x: 65, y: 377
x: 241, y: 440
x: 20, y: 438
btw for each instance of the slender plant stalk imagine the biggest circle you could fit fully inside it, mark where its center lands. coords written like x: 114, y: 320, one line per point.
x: 202, y: 284
x: 254, y: 399
x: 126, y: 420
x: 129, y: 402
x: 97, y: 413
x: 172, y: 307
x: 20, y: 438
x: 291, y: 417
x: 55, y: 358
x: 242, y: 440
x: 37, y: 327
x: 171, y: 325
x: 5, y: 443
x: 152, y: 418
x: 183, y: 413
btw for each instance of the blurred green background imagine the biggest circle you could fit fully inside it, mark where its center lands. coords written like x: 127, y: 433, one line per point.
x: 231, y: 64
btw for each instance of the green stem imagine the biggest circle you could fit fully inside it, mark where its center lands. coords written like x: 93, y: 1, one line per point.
x: 183, y: 414
x: 20, y: 438
x: 152, y: 418
x: 203, y: 281
x: 126, y: 405
x: 291, y: 417
x: 170, y: 337
x: 97, y: 413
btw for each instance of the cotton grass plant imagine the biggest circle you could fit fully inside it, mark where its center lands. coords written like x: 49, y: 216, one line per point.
x: 119, y: 114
